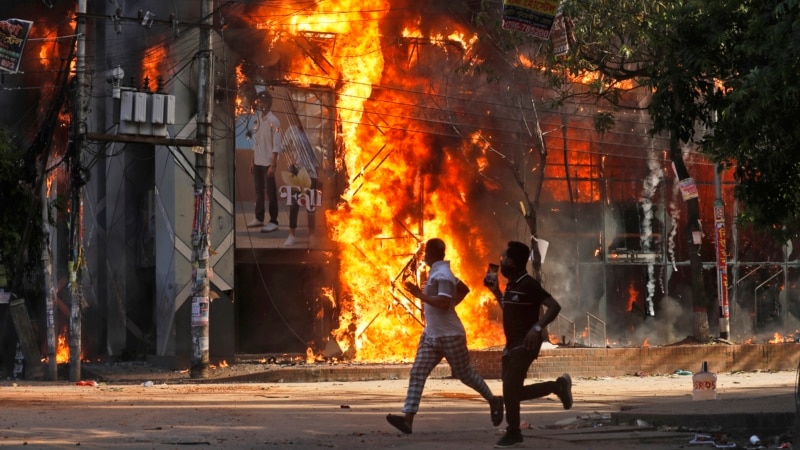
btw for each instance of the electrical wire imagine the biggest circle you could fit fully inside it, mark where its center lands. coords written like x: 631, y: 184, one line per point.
x: 406, y: 118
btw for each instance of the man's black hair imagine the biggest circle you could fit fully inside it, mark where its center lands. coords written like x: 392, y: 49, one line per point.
x: 435, y: 247
x: 264, y: 100
x: 519, y: 253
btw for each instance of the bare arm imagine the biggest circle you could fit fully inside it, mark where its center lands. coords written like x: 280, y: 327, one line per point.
x: 272, y: 164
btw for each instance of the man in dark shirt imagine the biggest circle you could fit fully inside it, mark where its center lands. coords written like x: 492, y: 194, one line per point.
x: 525, y: 331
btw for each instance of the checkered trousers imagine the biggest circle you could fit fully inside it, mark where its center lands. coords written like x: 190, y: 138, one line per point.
x: 429, y: 353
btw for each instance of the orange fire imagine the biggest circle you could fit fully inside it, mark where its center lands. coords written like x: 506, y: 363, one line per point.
x: 633, y: 294
x: 153, y: 65
x: 240, y: 80
x: 62, y: 349
x: 49, y: 53
x: 379, y: 231
x: 777, y: 339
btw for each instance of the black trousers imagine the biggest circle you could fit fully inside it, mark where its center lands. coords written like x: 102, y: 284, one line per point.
x: 295, y: 209
x: 264, y: 182
x: 515, y: 369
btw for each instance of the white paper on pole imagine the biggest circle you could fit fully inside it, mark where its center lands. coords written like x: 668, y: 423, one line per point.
x: 543, y: 245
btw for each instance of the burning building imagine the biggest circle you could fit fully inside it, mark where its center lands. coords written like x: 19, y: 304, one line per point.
x: 391, y: 136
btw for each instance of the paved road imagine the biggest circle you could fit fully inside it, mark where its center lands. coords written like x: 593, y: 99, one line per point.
x: 351, y: 415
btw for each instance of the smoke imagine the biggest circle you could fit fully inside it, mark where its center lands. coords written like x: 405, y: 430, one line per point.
x: 672, y: 325
x: 651, y: 183
x: 675, y: 217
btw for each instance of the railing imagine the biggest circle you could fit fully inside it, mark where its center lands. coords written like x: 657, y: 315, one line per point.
x: 755, y: 298
x: 757, y: 288
x: 562, y: 323
x: 595, y: 331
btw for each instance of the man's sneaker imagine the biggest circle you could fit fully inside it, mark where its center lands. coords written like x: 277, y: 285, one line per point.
x: 290, y: 241
x: 564, y: 390
x: 496, y: 409
x: 270, y: 227
x: 399, y: 422
x: 509, y: 440
x: 255, y: 223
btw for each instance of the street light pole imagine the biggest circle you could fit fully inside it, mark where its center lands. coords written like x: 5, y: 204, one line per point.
x: 203, y: 193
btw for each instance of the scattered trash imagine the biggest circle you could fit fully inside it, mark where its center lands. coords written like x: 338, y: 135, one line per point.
x: 86, y: 383
x: 682, y: 372
x: 702, y: 439
x: 706, y: 439
x: 641, y: 423
x: 566, y: 422
x: 755, y: 440
x: 641, y: 374
x: 147, y: 384
x: 344, y: 406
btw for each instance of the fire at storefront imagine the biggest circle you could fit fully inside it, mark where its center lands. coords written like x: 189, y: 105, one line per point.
x: 392, y: 137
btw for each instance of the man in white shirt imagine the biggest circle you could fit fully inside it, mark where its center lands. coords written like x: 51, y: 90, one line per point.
x: 444, y: 337
x: 267, y: 144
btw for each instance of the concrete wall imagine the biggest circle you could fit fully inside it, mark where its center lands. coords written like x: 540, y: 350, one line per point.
x: 614, y: 362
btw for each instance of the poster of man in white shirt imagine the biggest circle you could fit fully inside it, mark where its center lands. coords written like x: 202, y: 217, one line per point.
x: 284, y: 160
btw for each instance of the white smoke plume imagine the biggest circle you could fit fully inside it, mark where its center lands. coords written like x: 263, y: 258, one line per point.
x: 651, y: 183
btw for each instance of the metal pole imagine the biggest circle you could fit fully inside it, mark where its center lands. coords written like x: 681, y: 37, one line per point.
x: 722, y: 259
x: 203, y: 190
x: 733, y: 300
x: 75, y: 256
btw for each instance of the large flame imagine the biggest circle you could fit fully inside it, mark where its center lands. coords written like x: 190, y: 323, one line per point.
x: 390, y: 206
x: 153, y: 65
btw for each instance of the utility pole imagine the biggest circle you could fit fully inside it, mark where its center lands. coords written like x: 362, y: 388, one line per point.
x: 77, y: 179
x: 49, y: 289
x: 203, y: 198
x: 721, y: 243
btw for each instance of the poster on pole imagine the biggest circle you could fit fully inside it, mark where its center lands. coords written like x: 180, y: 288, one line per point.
x: 561, y: 35
x: 534, y: 17
x: 13, y: 36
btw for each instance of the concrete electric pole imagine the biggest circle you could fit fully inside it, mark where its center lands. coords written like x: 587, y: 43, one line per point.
x: 203, y: 198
